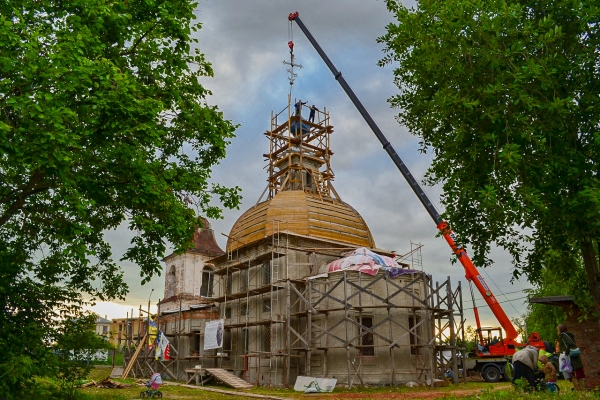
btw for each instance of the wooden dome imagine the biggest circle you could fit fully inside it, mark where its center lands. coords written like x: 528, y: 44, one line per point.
x: 302, y: 213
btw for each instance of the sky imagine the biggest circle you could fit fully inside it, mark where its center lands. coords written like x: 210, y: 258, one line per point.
x: 246, y: 42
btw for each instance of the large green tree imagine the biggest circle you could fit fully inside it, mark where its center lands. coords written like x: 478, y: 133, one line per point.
x: 102, y: 121
x: 505, y: 95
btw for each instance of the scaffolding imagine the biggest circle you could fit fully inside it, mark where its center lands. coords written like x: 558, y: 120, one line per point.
x: 282, y: 319
x: 299, y: 155
x: 177, y: 325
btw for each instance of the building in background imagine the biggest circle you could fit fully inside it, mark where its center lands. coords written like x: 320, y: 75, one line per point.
x: 103, y: 327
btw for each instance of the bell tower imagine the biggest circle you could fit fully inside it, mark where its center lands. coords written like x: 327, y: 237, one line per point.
x: 187, y: 277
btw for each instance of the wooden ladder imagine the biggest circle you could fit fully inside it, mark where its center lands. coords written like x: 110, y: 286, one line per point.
x: 319, y: 183
x: 135, y: 355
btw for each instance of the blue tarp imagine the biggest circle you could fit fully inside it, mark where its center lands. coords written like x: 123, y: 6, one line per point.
x: 297, y: 127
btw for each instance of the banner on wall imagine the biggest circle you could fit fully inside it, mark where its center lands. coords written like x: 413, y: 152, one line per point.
x: 213, y: 334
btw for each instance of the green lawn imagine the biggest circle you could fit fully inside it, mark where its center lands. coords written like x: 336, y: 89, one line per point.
x: 482, y: 391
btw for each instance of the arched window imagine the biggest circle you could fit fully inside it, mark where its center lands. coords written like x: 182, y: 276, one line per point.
x: 206, y: 288
x: 171, y: 282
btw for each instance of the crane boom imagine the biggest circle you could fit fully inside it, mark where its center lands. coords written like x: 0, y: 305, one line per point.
x: 471, y: 271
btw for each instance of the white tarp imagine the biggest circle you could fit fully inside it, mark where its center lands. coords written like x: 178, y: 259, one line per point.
x: 213, y: 334
x: 309, y: 384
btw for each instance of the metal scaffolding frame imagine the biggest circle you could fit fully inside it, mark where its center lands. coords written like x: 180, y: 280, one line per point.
x: 280, y: 316
x: 302, y: 313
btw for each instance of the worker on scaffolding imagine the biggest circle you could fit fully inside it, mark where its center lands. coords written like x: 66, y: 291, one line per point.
x: 311, y: 116
x: 298, y: 107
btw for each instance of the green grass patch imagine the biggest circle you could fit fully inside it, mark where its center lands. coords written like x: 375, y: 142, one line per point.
x: 479, y: 390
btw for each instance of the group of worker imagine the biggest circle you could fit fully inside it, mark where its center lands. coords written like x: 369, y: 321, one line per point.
x: 528, y: 360
x: 298, y: 109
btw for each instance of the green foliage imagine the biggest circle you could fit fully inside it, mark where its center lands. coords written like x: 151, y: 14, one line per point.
x: 504, y: 93
x: 470, y: 339
x: 102, y: 121
x: 75, y: 348
x: 519, y: 324
x: 544, y: 319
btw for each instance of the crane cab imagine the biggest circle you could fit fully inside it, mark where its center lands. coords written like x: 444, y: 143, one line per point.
x: 490, y: 343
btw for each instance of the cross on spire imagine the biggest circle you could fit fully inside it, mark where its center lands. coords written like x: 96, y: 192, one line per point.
x: 292, y: 64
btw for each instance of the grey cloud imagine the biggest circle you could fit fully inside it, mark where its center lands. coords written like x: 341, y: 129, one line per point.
x: 247, y: 41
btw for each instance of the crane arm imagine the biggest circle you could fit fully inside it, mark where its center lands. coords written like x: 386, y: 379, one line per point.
x: 471, y: 271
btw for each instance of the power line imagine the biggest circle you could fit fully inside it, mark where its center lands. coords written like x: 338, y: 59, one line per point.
x: 506, y: 301
x: 516, y: 291
x: 504, y: 294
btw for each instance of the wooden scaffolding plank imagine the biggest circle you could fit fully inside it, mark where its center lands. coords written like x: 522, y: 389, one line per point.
x: 229, y: 379
x: 135, y: 355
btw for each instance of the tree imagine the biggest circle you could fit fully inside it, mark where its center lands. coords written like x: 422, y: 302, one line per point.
x: 505, y: 94
x: 470, y: 339
x: 543, y: 318
x: 75, y: 349
x: 102, y: 121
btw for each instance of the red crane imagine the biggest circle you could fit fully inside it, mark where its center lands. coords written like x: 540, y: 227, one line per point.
x: 506, y: 345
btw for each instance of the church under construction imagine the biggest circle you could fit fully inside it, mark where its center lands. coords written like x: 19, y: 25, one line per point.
x: 301, y: 288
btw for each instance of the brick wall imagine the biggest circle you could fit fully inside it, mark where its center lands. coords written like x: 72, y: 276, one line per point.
x: 587, y: 337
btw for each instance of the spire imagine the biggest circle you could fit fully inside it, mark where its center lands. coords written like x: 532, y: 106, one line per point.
x: 292, y: 64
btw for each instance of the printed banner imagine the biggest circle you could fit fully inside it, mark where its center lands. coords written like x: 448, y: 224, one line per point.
x: 213, y: 334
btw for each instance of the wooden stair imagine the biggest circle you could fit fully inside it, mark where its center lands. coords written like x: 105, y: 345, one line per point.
x: 228, y: 378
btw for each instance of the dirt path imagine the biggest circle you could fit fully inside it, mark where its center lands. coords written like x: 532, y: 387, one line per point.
x: 415, y: 395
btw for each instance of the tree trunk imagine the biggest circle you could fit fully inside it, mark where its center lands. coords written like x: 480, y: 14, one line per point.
x: 590, y: 262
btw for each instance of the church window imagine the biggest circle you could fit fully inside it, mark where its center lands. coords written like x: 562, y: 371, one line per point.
x: 243, y: 280
x: 366, y: 340
x: 266, y: 273
x: 206, y: 288
x: 266, y: 305
x: 171, y: 282
x: 229, y: 283
x: 245, y: 309
x: 415, y: 334
x: 266, y: 338
x: 227, y: 340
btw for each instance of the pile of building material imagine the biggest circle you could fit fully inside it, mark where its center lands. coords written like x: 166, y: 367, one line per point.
x: 106, y: 384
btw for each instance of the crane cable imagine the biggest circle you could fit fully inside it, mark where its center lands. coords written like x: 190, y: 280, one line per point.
x: 500, y: 290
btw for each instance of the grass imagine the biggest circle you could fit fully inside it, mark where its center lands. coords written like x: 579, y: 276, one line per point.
x: 482, y: 391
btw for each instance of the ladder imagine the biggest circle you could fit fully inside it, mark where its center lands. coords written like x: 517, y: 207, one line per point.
x: 274, y: 301
x: 416, y: 256
x: 135, y: 355
x: 319, y: 183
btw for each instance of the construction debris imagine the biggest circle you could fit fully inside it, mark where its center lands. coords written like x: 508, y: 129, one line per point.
x: 106, y: 384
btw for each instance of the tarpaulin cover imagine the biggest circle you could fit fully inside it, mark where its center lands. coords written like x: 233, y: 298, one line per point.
x: 367, y: 262
x: 296, y: 128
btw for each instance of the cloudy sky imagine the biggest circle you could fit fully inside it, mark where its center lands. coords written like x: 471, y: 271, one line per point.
x: 246, y: 41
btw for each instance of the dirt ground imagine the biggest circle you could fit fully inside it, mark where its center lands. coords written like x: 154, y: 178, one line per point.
x: 433, y: 394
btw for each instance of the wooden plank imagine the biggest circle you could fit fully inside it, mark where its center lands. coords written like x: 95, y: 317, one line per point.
x: 340, y: 237
x: 231, y: 393
x: 135, y: 355
x: 339, y: 213
x: 336, y: 220
x: 254, y: 214
x: 229, y: 379
x: 338, y: 228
